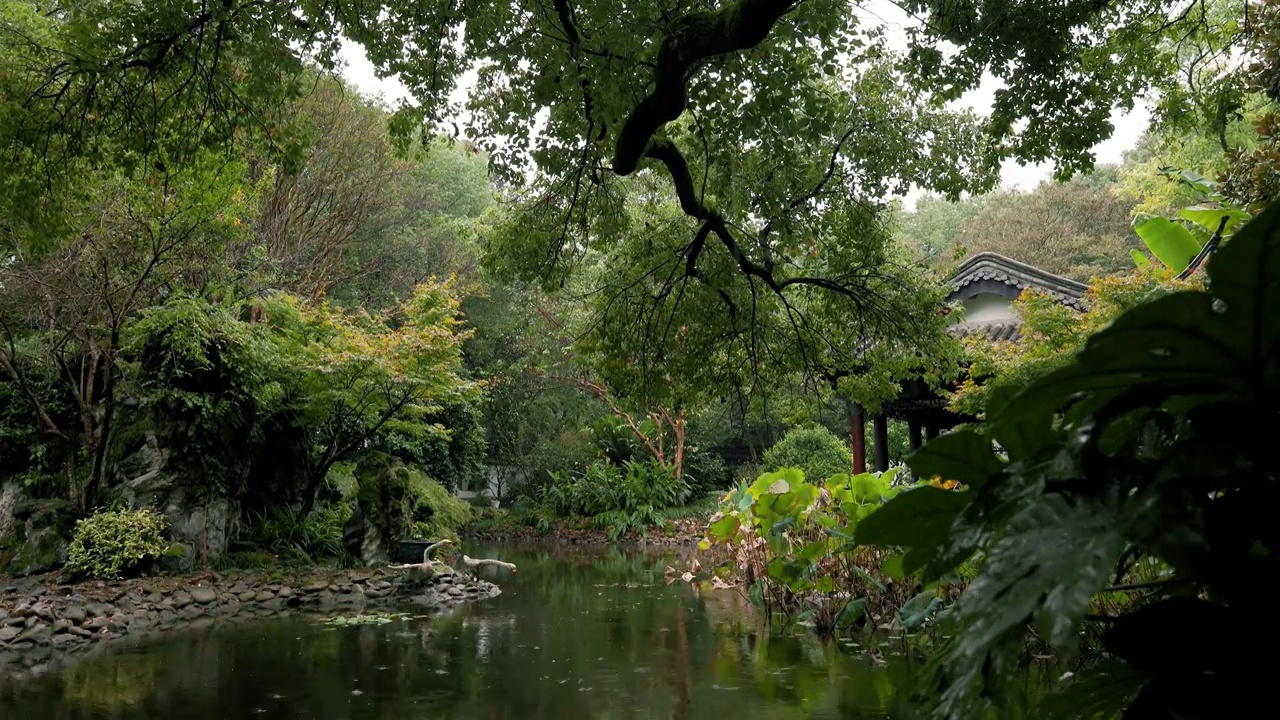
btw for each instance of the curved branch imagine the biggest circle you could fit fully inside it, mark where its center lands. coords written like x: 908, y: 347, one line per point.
x: 694, y: 37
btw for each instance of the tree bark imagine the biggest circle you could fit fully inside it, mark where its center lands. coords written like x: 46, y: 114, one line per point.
x: 857, y: 436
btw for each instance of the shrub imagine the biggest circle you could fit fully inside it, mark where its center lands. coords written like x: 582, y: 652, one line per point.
x: 813, y: 449
x: 108, y: 545
x: 317, y: 535
x: 436, y: 512
x: 619, y: 497
x: 706, y: 472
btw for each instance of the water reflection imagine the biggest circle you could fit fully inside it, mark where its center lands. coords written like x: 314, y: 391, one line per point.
x: 576, y: 634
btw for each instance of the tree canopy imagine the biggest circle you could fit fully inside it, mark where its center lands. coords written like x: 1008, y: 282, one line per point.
x: 726, y: 160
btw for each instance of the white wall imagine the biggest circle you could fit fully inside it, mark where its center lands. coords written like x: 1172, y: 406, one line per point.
x: 987, y: 307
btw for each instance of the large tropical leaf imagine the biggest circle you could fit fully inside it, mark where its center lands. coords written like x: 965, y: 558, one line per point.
x: 1170, y: 242
x: 1210, y: 217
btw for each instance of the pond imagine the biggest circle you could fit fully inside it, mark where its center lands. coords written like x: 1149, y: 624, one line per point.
x: 576, y: 634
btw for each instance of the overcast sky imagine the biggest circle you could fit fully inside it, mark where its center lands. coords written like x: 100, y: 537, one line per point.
x: 1128, y: 126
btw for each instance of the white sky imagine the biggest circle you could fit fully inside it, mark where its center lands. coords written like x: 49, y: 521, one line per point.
x: 1128, y: 126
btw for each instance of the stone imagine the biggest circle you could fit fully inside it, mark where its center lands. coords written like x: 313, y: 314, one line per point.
x: 74, y: 613
x: 14, y: 621
x: 62, y: 625
x: 273, y: 604
x: 80, y: 632
x: 7, y: 634
x: 375, y: 593
x: 238, y: 588
x: 285, y: 592
x: 62, y: 642
x: 204, y: 595
x: 96, y: 609
x: 190, y: 612
x: 264, y: 596
x: 99, y: 623
x: 39, y: 635
x: 247, y: 596
x: 315, y: 587
x: 181, y: 599
x: 159, y: 474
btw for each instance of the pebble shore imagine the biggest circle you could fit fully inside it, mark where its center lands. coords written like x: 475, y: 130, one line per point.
x: 42, y: 623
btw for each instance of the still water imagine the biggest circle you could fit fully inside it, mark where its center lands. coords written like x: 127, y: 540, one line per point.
x: 577, y: 634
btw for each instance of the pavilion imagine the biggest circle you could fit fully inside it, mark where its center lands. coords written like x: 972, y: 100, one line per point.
x: 986, y: 285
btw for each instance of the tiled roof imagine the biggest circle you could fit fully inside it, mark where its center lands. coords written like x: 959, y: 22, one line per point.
x: 993, y: 331
x: 988, y: 268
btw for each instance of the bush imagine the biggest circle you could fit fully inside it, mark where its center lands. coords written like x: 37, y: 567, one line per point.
x: 316, y: 536
x: 813, y: 449
x: 706, y: 472
x: 108, y: 545
x: 437, y: 513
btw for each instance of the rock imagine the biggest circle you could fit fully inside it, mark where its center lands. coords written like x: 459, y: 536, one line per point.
x: 14, y: 621
x: 96, y: 609
x: 38, y: 541
x: 153, y: 475
x: 190, y: 612
x: 285, y: 592
x: 204, y: 595
x: 375, y: 593
x: 38, y: 634
x: 62, y: 625
x: 7, y: 634
x: 74, y: 613
x: 62, y: 642
x: 238, y: 588
x: 80, y: 632
x: 264, y: 596
x: 99, y: 623
x: 273, y: 604
x: 315, y: 587
x: 247, y: 596
x: 379, y: 584
x: 181, y: 599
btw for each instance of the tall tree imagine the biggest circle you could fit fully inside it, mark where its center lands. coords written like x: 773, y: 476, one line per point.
x: 773, y: 128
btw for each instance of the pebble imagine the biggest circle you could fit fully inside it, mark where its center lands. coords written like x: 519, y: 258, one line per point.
x: 204, y: 595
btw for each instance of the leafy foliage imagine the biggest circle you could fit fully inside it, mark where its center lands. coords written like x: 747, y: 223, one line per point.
x: 620, y: 497
x: 1150, y: 443
x: 108, y: 545
x: 1052, y: 334
x: 813, y: 449
x: 793, y: 543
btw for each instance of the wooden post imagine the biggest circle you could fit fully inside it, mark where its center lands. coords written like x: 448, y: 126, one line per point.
x: 913, y: 433
x: 880, y: 426
x: 858, y: 436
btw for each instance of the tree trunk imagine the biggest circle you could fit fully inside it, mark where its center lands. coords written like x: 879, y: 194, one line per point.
x: 857, y: 436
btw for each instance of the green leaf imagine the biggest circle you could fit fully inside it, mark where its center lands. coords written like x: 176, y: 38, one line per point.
x: 851, y: 611
x: 1139, y: 259
x: 1210, y: 217
x: 1170, y: 242
x: 891, y: 566
x: 1099, y: 691
x: 919, y: 609
x: 963, y: 455
x: 725, y: 528
x: 917, y: 518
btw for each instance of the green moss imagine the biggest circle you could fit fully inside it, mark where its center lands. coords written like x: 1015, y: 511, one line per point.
x: 176, y: 550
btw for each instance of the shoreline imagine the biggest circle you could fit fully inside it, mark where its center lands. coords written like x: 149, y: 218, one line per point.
x: 688, y: 532
x: 42, y: 624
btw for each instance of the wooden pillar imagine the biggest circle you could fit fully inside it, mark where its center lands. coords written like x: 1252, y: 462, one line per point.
x: 858, y: 436
x: 880, y: 426
x: 931, y: 431
x: 913, y: 433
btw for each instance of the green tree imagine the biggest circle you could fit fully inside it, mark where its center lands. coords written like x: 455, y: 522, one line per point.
x: 1078, y: 229
x: 752, y: 141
